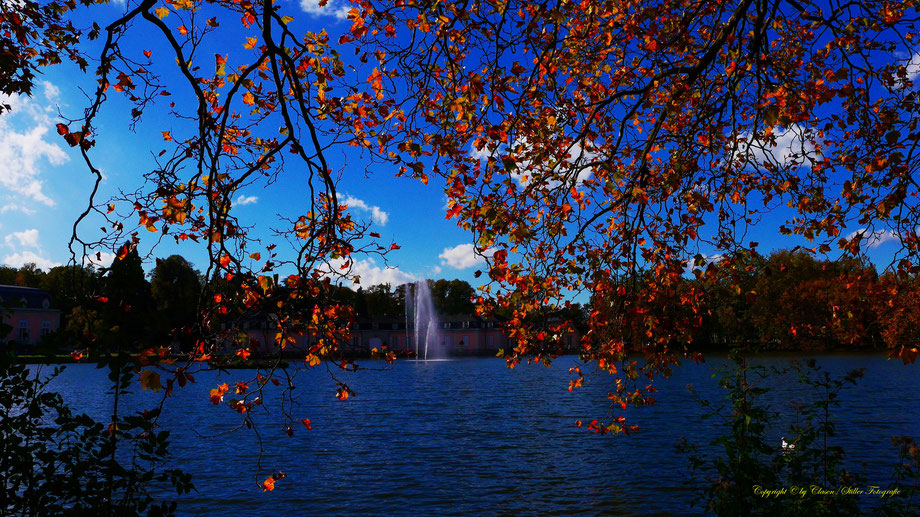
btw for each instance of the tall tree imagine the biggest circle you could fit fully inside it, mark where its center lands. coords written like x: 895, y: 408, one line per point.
x: 70, y: 286
x: 29, y: 275
x: 176, y: 289
x: 452, y: 296
x: 7, y: 275
x: 128, y: 305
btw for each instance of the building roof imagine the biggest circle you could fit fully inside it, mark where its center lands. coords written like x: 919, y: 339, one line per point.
x: 14, y: 296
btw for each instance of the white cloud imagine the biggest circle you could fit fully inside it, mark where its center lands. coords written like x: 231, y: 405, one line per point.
x: 332, y: 8
x: 51, y: 92
x: 246, y: 200
x: 463, y: 256
x: 792, y: 146
x: 20, y: 259
x: 23, y: 147
x: 379, y: 216
x: 913, y: 67
x: 104, y: 259
x: 874, y: 239
x: 579, y: 156
x: 25, y: 238
x: 13, y: 207
x: 370, y: 273
x: 705, y: 260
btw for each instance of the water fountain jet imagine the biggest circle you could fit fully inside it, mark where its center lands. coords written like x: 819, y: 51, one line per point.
x: 427, y: 333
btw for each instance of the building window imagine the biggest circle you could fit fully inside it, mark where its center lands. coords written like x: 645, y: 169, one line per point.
x: 46, y: 328
x: 23, y: 330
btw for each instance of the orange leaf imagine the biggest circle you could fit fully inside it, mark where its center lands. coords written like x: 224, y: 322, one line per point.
x: 217, y: 394
x: 306, y: 422
x: 250, y: 43
x: 225, y: 261
x: 343, y: 393
x: 269, y: 484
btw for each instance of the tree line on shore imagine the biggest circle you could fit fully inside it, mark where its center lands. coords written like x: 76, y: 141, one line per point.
x: 121, y: 302
x: 788, y: 300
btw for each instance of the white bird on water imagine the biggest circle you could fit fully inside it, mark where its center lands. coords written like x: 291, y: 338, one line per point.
x: 787, y: 447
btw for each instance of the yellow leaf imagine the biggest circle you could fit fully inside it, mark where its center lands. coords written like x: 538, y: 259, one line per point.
x: 161, y: 12
x: 265, y: 282
x: 150, y: 380
x: 248, y: 99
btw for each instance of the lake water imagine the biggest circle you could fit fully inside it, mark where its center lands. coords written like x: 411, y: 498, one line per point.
x: 470, y: 436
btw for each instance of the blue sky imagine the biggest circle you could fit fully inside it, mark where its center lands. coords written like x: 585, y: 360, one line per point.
x: 44, y: 184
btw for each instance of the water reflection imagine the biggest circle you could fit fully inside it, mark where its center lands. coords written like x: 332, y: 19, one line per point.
x: 470, y: 436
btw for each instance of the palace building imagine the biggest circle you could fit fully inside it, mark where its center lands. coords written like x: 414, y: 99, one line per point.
x: 30, y: 314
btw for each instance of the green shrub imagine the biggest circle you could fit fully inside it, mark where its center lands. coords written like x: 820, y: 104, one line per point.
x: 56, y: 462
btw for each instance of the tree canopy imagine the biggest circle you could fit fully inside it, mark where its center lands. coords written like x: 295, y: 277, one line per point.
x: 590, y: 148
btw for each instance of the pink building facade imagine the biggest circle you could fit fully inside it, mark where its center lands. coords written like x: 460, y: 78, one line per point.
x: 30, y: 314
x: 456, y: 336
